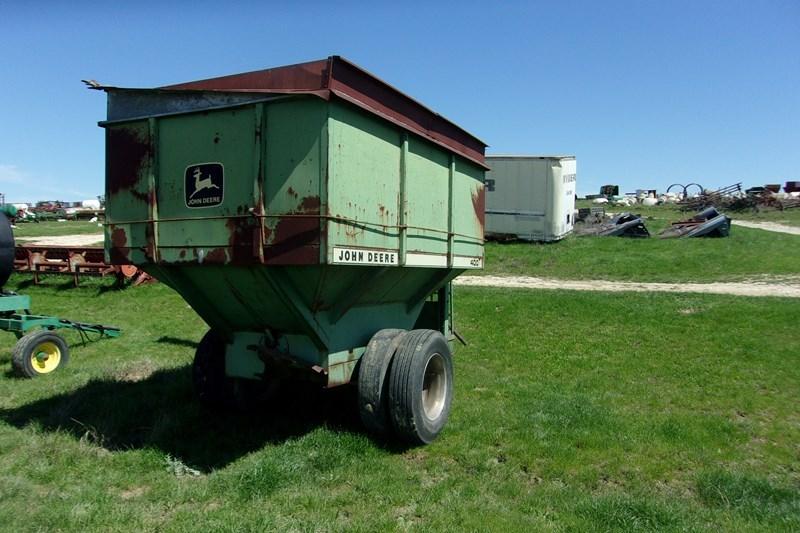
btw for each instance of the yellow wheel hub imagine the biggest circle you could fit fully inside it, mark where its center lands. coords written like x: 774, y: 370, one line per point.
x: 45, y: 357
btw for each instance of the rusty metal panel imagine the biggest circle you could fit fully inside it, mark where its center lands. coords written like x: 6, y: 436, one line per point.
x: 295, y: 166
x: 129, y: 157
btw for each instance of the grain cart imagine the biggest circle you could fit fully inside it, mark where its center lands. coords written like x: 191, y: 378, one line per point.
x: 314, y: 217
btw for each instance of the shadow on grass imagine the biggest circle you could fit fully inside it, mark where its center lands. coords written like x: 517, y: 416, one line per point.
x: 166, y: 339
x: 24, y: 284
x: 161, y: 412
x: 65, y: 282
x: 116, y: 286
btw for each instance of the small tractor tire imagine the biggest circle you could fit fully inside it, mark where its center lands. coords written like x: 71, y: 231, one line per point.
x: 38, y: 353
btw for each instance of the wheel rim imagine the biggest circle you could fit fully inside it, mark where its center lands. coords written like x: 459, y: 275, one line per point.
x: 434, y: 387
x: 45, y: 357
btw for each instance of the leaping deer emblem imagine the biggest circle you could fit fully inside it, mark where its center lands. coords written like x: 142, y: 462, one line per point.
x: 200, y: 183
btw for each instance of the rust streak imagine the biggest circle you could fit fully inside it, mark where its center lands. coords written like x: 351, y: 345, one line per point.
x: 296, y: 240
x: 126, y: 153
x: 479, y: 204
x: 216, y: 256
x: 149, y: 235
x: 119, y: 247
x: 243, y: 235
x: 310, y: 204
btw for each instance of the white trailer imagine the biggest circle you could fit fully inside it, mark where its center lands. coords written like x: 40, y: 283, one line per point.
x: 530, y: 197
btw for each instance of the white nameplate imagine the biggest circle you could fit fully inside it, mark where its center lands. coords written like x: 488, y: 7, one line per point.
x: 440, y: 260
x: 359, y: 256
x: 461, y: 261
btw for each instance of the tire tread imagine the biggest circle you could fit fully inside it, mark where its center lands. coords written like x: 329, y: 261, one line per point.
x: 400, y: 390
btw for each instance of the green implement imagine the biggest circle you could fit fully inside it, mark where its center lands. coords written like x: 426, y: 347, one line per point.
x: 305, y: 212
x: 39, y: 349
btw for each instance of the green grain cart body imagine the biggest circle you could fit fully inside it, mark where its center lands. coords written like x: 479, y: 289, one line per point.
x: 300, y: 208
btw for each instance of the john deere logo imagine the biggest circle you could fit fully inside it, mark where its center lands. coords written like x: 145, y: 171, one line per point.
x: 204, y: 185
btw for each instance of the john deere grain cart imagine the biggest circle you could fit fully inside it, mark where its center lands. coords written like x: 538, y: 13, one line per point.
x: 314, y: 216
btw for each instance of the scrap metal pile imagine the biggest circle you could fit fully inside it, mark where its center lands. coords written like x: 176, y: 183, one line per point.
x: 733, y: 198
x: 694, y: 197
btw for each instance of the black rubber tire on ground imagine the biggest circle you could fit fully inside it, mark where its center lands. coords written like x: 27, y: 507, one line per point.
x: 24, y: 359
x: 211, y: 386
x: 373, y: 404
x: 421, y: 386
x: 215, y: 389
x: 6, y: 249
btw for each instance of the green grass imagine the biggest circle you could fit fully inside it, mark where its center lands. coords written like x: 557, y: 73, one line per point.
x: 745, y: 254
x: 34, y: 229
x: 573, y: 412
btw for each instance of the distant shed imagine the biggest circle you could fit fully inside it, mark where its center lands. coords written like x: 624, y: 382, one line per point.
x: 530, y: 197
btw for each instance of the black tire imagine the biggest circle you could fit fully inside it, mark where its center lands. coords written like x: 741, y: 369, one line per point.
x: 215, y: 389
x: 421, y: 386
x: 38, y: 353
x: 212, y: 386
x: 6, y: 249
x: 373, y: 405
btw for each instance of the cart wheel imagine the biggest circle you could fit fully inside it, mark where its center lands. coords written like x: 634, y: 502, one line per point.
x: 421, y: 386
x: 211, y: 385
x: 39, y: 352
x: 372, y: 379
x: 215, y: 389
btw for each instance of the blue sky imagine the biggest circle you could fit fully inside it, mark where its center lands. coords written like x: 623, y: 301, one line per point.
x: 644, y: 93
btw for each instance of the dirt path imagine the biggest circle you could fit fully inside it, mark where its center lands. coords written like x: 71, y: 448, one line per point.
x: 768, y: 226
x: 63, y: 240
x: 786, y: 290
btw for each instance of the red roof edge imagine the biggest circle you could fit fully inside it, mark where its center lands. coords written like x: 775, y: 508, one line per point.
x: 346, y: 80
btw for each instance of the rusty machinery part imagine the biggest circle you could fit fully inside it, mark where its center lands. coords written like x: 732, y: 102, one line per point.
x: 724, y: 197
x: 421, y: 386
x: 134, y: 275
x: 129, y: 271
x: 75, y: 261
x: 373, y: 369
